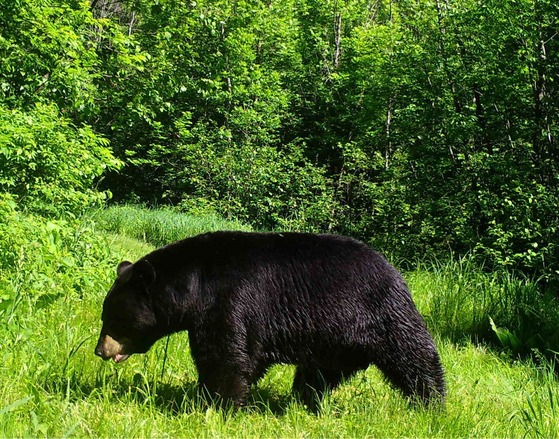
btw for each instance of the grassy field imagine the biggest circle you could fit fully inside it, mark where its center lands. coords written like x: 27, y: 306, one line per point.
x: 53, y: 385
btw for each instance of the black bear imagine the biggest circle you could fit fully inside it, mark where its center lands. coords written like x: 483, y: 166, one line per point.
x: 328, y: 304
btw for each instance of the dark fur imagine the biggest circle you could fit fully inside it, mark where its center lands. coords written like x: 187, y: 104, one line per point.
x: 328, y: 304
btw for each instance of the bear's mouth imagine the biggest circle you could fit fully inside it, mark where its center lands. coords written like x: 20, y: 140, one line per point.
x: 108, y: 347
x: 119, y: 358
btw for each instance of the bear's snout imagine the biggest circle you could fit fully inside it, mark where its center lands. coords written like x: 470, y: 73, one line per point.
x: 108, y: 347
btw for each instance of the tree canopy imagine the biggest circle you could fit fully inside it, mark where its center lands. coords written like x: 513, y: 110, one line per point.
x: 421, y: 126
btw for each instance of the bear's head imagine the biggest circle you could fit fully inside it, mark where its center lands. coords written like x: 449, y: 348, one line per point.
x: 129, y: 320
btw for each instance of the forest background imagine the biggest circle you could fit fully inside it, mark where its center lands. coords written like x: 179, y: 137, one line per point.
x: 422, y: 127
x: 427, y: 128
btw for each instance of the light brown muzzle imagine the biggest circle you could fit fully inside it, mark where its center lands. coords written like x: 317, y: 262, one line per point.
x: 108, y: 347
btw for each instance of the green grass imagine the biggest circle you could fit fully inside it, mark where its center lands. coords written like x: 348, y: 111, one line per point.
x: 52, y: 385
x: 158, y: 227
x: 459, y: 301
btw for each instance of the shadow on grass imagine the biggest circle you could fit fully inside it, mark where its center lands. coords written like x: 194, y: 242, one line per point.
x: 166, y: 398
x: 175, y: 400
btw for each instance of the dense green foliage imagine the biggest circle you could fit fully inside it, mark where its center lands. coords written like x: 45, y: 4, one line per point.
x: 420, y: 126
x: 48, y: 164
x: 49, y: 157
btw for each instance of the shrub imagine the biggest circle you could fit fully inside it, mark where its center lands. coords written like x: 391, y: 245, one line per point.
x: 42, y: 260
x: 49, y: 165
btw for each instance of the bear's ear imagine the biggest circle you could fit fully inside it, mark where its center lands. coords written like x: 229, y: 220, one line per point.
x: 122, y: 266
x: 145, y: 270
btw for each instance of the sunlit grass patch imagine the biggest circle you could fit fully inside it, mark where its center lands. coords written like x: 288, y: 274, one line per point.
x: 159, y: 226
x: 73, y: 392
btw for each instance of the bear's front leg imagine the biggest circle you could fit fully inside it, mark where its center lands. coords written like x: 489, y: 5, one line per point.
x: 224, y: 368
x: 224, y: 383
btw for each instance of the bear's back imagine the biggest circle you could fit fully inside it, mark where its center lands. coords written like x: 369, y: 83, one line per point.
x: 282, y: 263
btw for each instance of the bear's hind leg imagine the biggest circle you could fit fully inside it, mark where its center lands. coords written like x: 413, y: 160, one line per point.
x: 415, y: 369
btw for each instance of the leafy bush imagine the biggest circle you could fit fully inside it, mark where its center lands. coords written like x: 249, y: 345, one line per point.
x: 49, y: 165
x: 42, y: 260
x: 258, y: 185
x: 47, y: 55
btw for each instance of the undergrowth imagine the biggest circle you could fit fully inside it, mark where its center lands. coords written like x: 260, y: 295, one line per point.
x: 460, y: 301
